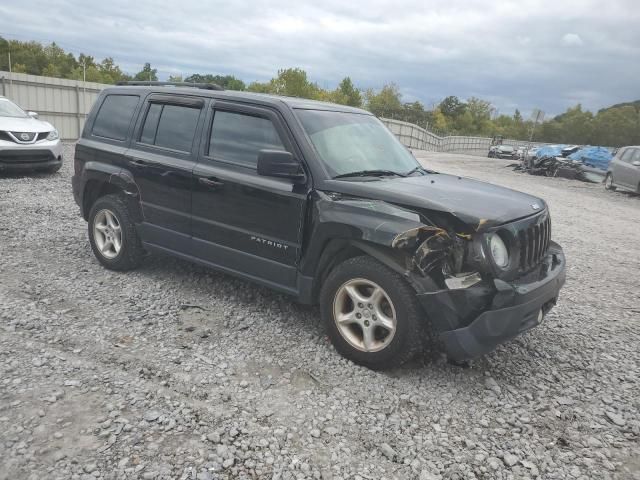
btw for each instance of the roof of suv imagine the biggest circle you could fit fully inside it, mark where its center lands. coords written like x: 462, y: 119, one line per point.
x: 262, y: 98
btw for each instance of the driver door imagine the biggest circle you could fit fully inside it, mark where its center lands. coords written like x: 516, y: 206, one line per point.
x: 243, y: 222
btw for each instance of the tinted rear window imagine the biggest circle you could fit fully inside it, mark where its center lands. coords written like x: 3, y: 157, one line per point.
x: 170, y: 126
x: 238, y: 138
x: 114, y: 116
x: 177, y: 127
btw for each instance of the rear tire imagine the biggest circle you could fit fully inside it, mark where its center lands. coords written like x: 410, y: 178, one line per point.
x: 112, y: 234
x: 608, y: 182
x: 381, y: 331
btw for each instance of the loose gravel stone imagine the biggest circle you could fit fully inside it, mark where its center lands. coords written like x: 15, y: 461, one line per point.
x: 176, y: 371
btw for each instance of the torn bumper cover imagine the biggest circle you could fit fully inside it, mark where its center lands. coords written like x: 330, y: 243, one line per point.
x: 475, y: 320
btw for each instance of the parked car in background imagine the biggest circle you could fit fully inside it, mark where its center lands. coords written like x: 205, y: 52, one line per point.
x: 624, y: 170
x: 502, y: 151
x: 27, y: 143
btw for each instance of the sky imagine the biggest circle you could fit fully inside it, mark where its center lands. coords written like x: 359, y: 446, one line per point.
x: 525, y: 54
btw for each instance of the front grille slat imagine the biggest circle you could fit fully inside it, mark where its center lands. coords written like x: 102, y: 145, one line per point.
x: 534, y: 243
x: 522, y: 237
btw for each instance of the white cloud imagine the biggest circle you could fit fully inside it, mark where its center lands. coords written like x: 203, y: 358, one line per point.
x: 572, y: 40
x: 505, y: 52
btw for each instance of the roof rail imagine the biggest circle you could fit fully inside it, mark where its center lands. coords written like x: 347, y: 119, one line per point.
x: 143, y: 83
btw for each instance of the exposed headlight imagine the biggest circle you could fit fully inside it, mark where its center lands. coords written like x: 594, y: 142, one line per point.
x: 53, y: 135
x: 499, y: 250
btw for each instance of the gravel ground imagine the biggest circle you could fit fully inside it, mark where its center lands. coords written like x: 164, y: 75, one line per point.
x: 174, y: 371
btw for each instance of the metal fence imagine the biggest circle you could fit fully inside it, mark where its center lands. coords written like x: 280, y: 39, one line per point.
x: 418, y: 138
x: 63, y: 103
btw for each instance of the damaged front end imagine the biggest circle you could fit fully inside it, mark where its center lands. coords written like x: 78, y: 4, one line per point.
x: 477, y: 301
x: 480, y: 282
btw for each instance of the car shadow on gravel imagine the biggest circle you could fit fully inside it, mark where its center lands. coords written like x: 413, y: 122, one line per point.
x: 198, y: 285
x: 35, y: 174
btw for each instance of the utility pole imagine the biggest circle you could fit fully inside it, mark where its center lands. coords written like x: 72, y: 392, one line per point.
x: 10, y: 74
x: 537, y: 116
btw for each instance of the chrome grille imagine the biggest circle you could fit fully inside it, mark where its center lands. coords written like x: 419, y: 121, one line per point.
x: 534, y: 242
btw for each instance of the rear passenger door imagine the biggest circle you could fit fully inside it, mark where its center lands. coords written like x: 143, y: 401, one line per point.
x: 161, y: 158
x: 631, y: 171
x: 244, y: 222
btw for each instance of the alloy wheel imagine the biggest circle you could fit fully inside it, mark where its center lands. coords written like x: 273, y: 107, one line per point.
x: 364, y: 315
x: 107, y: 234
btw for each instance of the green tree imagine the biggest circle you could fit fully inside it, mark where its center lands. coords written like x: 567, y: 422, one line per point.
x: 228, y: 82
x: 147, y: 73
x: 385, y: 103
x: 617, y: 127
x: 349, y: 93
x: 111, y: 72
x: 293, y: 82
x: 452, y: 107
x: 576, y: 125
x: 480, y: 114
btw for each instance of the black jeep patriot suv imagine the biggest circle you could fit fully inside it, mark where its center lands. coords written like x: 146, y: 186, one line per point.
x: 321, y: 202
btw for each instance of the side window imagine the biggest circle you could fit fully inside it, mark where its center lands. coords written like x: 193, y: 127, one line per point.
x: 626, y: 156
x: 151, y: 124
x: 114, y: 116
x: 237, y: 137
x: 636, y: 155
x: 170, y: 126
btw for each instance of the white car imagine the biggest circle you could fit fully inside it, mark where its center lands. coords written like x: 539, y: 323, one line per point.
x: 27, y: 143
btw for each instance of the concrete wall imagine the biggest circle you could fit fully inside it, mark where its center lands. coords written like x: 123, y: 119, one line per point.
x: 418, y: 138
x: 63, y: 103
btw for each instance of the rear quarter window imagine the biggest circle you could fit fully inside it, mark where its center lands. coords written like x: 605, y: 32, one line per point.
x: 114, y: 117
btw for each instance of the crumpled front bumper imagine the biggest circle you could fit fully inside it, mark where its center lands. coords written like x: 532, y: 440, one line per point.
x: 475, y: 320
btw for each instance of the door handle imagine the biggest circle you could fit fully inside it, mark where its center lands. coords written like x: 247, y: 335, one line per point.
x: 210, y: 182
x: 139, y: 163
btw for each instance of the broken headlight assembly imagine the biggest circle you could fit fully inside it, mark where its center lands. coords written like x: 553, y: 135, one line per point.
x: 490, y: 253
x: 498, y: 250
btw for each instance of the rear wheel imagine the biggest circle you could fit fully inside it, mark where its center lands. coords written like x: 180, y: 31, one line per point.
x: 608, y: 182
x: 112, y: 234
x: 371, y: 314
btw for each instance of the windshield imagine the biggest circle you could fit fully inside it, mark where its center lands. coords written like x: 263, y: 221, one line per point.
x: 353, y: 142
x: 10, y: 109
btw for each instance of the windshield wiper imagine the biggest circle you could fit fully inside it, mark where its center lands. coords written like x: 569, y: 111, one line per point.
x: 417, y: 169
x: 370, y: 173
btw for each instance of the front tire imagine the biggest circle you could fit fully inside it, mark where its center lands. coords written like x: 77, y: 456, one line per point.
x: 371, y: 314
x: 608, y: 182
x: 112, y: 234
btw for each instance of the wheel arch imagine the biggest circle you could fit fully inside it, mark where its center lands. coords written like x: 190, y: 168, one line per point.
x: 101, y: 180
x: 337, y: 251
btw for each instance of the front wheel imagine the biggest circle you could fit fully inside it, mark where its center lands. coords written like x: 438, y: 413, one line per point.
x: 608, y: 182
x: 112, y: 234
x: 371, y: 314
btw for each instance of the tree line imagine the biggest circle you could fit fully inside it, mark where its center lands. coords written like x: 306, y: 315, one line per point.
x: 615, y: 126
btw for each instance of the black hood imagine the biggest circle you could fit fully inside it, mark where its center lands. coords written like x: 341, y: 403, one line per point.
x: 478, y: 204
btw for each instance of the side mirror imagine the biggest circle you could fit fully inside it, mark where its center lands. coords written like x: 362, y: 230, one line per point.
x: 636, y: 163
x: 278, y: 163
x: 32, y: 114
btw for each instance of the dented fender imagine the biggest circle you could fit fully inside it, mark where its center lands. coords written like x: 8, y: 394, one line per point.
x: 394, y: 233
